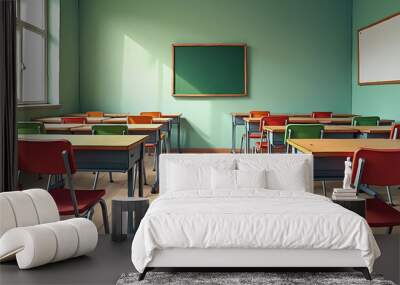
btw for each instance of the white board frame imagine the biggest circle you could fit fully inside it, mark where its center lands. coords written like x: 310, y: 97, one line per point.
x: 377, y: 82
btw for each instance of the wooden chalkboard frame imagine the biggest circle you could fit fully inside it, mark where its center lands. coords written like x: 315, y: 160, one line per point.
x: 358, y: 55
x: 208, y: 45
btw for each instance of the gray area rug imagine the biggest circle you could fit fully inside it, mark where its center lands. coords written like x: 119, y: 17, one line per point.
x: 243, y: 278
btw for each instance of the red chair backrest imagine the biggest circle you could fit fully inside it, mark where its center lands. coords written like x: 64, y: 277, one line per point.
x: 95, y: 114
x: 395, y: 132
x: 44, y: 157
x: 322, y: 114
x: 381, y: 167
x: 276, y: 120
x: 73, y: 120
x: 259, y: 114
x: 140, y: 119
x: 151, y: 114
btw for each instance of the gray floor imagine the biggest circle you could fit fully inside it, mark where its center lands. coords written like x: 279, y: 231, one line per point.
x: 110, y: 260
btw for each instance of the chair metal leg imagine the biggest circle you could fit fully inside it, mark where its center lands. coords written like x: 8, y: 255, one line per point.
x: 144, y: 174
x: 89, y: 214
x: 105, y: 216
x: 155, y: 159
x: 389, y: 195
x: 110, y: 175
x: 241, y: 145
x: 324, y: 187
x: 95, y: 180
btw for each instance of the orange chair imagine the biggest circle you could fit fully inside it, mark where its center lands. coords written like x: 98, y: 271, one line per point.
x: 395, y: 132
x: 74, y: 120
x: 140, y: 119
x: 151, y: 114
x: 95, y: 114
x: 322, y: 114
x: 274, y: 120
x: 259, y: 114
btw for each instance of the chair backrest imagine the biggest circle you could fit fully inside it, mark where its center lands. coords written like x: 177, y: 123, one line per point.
x: 73, y: 120
x: 365, y: 121
x: 322, y: 114
x: 304, y: 131
x: 110, y: 129
x: 395, y: 132
x: 30, y: 128
x: 259, y: 114
x: 140, y: 119
x: 95, y: 114
x: 26, y: 208
x: 376, y: 167
x: 151, y: 114
x: 276, y: 120
x: 45, y: 157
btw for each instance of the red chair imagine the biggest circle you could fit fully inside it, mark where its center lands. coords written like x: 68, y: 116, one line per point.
x: 322, y: 114
x: 395, y: 132
x: 379, y: 168
x: 255, y: 135
x: 56, y: 158
x: 273, y: 120
x: 151, y: 114
x: 73, y: 120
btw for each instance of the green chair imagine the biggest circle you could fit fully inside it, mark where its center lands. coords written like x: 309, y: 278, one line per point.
x: 305, y: 131
x: 30, y: 128
x: 365, y: 121
x: 108, y: 130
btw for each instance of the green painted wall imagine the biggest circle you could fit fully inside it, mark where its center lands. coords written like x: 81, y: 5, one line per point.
x: 63, y: 60
x: 382, y: 100
x: 299, y: 57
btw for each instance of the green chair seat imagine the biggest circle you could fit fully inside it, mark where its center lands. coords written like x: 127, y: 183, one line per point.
x: 304, y: 131
x: 30, y: 128
x: 365, y: 121
x: 110, y: 129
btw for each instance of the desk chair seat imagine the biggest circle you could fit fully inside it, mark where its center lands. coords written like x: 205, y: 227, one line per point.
x: 86, y: 199
x: 272, y: 120
x: 256, y: 135
x: 379, y: 214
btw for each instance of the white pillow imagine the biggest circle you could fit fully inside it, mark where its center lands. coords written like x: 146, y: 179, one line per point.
x: 251, y: 178
x: 236, y: 179
x: 191, y: 176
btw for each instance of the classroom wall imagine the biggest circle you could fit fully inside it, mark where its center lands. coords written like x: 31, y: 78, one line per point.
x: 63, y: 61
x: 299, y: 58
x: 382, y: 100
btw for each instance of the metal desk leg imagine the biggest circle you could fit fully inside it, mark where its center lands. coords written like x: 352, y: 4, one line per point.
x: 270, y: 141
x: 154, y: 187
x: 169, y: 137
x: 179, y: 134
x: 130, y: 194
x: 233, y: 135
x: 140, y: 170
x: 247, y: 137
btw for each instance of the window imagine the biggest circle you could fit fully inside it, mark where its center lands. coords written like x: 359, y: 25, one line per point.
x: 31, y: 52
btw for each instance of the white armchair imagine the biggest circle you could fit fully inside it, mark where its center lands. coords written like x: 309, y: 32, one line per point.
x: 31, y: 231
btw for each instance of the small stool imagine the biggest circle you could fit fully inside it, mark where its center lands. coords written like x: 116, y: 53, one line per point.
x: 137, y: 205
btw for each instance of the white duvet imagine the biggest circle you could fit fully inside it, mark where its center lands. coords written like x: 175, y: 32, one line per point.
x: 250, y: 219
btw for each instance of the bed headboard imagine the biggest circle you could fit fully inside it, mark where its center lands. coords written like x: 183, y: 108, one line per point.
x: 294, y: 168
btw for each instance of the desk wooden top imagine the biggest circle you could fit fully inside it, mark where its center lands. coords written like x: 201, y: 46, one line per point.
x: 61, y: 127
x: 374, y: 129
x: 131, y: 127
x: 121, y: 115
x: 57, y: 120
x: 340, y: 147
x: 123, y: 120
x: 309, y: 120
x: 327, y: 129
x: 243, y: 114
x: 90, y: 142
x: 171, y: 115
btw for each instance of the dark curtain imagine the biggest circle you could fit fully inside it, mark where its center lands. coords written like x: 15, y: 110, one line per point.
x: 8, y: 101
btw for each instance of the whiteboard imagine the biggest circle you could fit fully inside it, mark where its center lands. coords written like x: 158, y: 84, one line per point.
x: 379, y: 52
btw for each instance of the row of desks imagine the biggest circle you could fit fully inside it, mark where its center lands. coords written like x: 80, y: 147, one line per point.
x: 166, y: 121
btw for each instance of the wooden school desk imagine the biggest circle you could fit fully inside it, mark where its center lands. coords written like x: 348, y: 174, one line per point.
x: 276, y: 134
x: 176, y: 120
x: 330, y: 154
x: 105, y: 153
x: 165, y: 122
x: 153, y: 133
x: 60, y: 128
x: 57, y: 120
x: 374, y: 131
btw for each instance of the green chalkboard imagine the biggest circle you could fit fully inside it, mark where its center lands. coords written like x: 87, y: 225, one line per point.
x: 209, y: 70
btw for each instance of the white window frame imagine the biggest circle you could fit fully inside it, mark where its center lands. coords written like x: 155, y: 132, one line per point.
x: 21, y: 25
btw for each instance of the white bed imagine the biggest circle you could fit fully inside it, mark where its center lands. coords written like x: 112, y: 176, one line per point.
x: 192, y: 224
